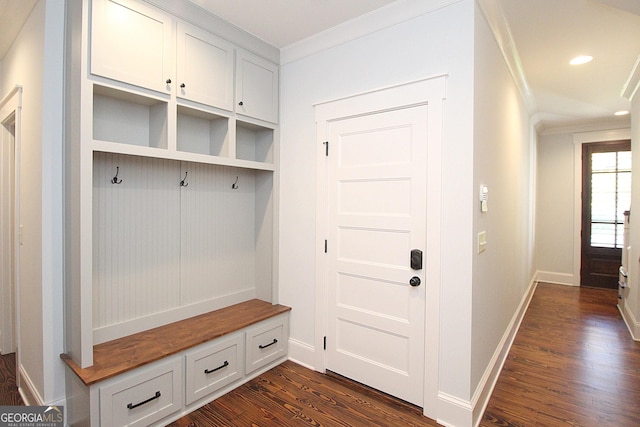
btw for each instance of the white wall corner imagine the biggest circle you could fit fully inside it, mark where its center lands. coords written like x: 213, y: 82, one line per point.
x: 454, y: 412
x: 556, y: 278
x: 480, y: 398
x: 632, y: 323
x: 302, y: 353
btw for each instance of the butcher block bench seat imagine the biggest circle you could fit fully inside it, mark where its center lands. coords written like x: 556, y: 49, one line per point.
x: 125, y: 354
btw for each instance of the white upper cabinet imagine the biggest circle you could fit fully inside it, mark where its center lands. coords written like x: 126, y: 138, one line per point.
x: 256, y: 87
x: 205, y: 67
x: 132, y: 42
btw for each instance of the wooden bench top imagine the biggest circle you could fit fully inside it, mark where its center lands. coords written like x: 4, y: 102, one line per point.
x: 124, y: 354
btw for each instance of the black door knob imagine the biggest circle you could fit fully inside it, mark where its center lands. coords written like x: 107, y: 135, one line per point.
x: 415, y: 281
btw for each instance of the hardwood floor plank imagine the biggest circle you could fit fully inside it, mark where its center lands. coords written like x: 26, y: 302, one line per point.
x: 9, y: 395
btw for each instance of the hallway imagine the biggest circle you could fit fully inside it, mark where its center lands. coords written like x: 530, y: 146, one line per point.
x: 573, y: 362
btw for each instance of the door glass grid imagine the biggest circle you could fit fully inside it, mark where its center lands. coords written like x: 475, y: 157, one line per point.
x: 610, y: 197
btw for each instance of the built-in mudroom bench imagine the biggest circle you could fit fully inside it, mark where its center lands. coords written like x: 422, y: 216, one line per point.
x: 171, y: 207
x: 156, y: 376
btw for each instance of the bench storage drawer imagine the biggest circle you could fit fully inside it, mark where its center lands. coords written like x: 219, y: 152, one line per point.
x: 141, y: 398
x: 213, y: 366
x: 266, y: 342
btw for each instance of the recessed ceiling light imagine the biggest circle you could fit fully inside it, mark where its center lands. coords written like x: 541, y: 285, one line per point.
x: 621, y: 113
x: 579, y: 60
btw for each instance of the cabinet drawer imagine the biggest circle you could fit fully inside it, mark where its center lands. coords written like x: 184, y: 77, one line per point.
x: 143, y: 396
x: 266, y: 342
x: 213, y: 366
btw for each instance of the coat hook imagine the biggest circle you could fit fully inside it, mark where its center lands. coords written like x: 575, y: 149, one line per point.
x: 115, y: 179
x: 235, y: 184
x: 183, y: 183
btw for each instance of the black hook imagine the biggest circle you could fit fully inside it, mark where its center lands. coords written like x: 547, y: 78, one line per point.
x: 183, y: 183
x: 115, y: 179
x: 235, y: 184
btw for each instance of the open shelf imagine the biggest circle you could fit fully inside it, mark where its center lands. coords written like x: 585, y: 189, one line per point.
x: 202, y: 132
x: 254, y: 142
x: 128, y: 118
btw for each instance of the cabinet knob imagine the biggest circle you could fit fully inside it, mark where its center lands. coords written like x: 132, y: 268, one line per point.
x: 183, y: 85
x: 168, y: 81
x: 241, y: 103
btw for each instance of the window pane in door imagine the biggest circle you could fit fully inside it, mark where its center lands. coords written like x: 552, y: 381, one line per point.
x: 610, y: 197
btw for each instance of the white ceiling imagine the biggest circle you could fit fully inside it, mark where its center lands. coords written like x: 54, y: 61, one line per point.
x: 546, y: 34
x: 284, y: 22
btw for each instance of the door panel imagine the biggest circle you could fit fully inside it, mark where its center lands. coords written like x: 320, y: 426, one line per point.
x: 606, y: 180
x: 376, y: 216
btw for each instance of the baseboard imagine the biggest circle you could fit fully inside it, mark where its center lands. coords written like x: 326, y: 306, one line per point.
x: 454, y: 412
x: 632, y: 324
x: 27, y: 390
x: 301, y: 353
x: 481, y: 397
x: 555, y: 278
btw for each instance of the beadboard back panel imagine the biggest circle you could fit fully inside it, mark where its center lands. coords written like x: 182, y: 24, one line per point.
x: 218, y: 235
x: 136, y: 237
x: 163, y: 251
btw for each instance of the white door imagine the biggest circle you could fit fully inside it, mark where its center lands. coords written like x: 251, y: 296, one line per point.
x: 376, y: 170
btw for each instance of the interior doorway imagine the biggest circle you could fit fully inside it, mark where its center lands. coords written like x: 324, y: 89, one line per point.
x: 606, y: 195
x: 10, y: 136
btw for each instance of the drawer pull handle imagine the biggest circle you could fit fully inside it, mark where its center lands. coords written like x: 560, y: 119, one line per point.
x: 268, y: 345
x: 131, y: 405
x: 210, y: 371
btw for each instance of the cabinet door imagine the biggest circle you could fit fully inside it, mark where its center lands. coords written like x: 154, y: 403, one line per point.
x: 131, y: 42
x: 256, y: 87
x: 205, y: 67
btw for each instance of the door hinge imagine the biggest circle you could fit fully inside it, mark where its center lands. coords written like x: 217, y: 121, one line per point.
x: 324, y: 343
x: 326, y: 148
x: 325, y: 246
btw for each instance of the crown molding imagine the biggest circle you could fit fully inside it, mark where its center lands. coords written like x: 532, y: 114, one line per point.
x: 376, y: 20
x: 497, y: 22
x: 633, y: 82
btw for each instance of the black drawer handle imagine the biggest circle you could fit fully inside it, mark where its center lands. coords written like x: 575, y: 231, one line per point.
x: 268, y: 345
x: 131, y: 405
x: 210, y: 371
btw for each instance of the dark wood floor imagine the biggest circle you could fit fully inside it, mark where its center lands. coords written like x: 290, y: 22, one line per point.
x: 9, y: 395
x: 573, y: 363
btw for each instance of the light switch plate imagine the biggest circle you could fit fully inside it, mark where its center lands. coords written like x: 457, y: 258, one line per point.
x: 482, y: 241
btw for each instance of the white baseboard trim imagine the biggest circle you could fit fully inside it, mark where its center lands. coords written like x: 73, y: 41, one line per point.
x: 555, y: 278
x: 453, y: 412
x: 488, y: 382
x: 301, y: 353
x: 27, y: 389
x: 629, y: 319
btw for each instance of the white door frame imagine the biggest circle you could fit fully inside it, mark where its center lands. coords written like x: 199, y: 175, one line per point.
x: 429, y: 92
x: 11, y: 114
